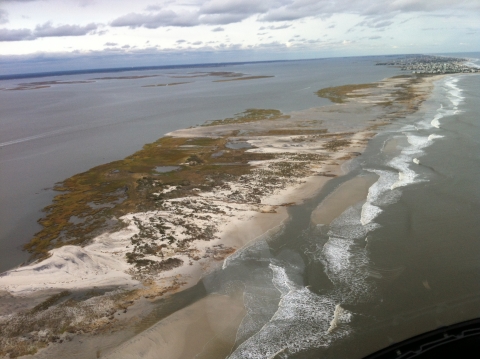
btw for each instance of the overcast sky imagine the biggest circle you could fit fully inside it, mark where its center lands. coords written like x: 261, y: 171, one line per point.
x: 101, y: 33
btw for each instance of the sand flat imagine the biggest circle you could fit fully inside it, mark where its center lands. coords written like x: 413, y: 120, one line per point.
x: 205, y: 329
x: 346, y: 195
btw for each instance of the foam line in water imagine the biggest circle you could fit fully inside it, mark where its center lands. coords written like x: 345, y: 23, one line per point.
x: 406, y: 175
x: 340, y: 316
x: 379, y: 194
x: 280, y: 280
x: 369, y: 213
x: 454, y: 92
x: 433, y: 137
x: 306, y: 320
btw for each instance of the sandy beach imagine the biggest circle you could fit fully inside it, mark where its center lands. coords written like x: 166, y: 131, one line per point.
x: 302, y: 152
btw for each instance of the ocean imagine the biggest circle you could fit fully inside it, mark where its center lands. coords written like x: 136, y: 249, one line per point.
x: 404, y: 261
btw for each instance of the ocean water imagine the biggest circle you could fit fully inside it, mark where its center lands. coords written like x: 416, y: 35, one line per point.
x: 404, y: 261
x: 53, y: 133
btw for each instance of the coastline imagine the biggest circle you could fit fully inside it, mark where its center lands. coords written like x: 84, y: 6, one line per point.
x: 103, y: 261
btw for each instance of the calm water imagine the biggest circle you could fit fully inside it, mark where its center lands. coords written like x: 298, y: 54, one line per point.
x: 53, y: 133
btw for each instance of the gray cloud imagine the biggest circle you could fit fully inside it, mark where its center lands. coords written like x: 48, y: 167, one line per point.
x: 47, y: 30
x: 219, y: 28
x: 221, y: 19
x: 110, y: 44
x: 296, y: 9
x: 153, y: 8
x: 156, y: 20
x: 234, y: 7
x: 220, y: 12
x: 180, y: 41
x: 15, y: 35
x: 273, y: 27
x: 3, y: 16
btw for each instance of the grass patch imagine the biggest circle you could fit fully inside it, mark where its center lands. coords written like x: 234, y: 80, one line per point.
x: 250, y: 115
x: 341, y: 93
x: 335, y: 145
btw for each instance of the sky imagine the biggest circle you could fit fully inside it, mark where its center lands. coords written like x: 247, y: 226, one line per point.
x: 44, y: 35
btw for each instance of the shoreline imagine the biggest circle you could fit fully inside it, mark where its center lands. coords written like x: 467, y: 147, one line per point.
x: 342, y: 141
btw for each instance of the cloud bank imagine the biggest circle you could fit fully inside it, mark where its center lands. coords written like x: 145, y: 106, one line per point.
x: 46, y: 30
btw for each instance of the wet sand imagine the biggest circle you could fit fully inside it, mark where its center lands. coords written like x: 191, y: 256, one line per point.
x: 203, y: 330
x: 346, y: 195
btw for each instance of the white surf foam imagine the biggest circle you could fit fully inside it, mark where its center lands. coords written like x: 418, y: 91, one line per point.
x: 433, y: 137
x: 435, y: 122
x: 340, y: 316
x: 454, y: 93
x: 379, y: 194
x: 300, y: 322
x: 406, y: 175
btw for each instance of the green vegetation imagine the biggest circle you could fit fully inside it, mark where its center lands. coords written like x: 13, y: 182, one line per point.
x: 341, y: 93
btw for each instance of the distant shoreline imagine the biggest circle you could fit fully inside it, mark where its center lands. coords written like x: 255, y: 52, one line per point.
x: 139, y: 68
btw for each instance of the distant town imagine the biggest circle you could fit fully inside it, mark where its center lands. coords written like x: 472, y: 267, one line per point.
x: 425, y: 64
